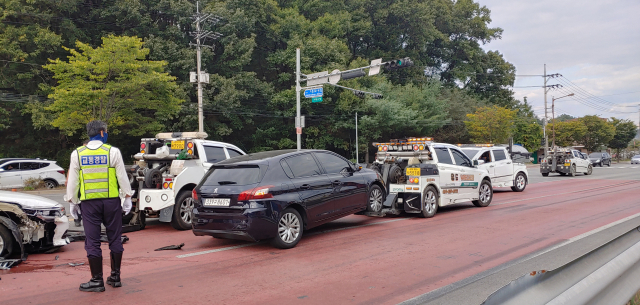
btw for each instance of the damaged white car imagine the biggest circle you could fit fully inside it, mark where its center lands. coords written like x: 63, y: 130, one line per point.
x: 30, y: 223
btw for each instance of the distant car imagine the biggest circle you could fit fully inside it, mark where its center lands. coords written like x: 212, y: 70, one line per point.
x: 30, y: 223
x: 600, y: 159
x: 635, y: 159
x: 277, y: 195
x: 14, y: 172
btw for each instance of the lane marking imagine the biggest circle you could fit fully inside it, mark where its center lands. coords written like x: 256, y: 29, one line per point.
x: 262, y: 242
x: 576, y: 191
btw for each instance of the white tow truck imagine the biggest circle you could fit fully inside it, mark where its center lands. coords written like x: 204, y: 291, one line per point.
x: 565, y: 161
x: 504, y: 170
x: 167, y: 169
x: 423, y: 176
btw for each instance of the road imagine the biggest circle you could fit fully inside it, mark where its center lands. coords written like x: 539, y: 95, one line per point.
x: 460, y: 256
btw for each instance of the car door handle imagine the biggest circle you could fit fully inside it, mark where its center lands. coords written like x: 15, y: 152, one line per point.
x: 491, y: 166
x: 508, y: 162
x: 305, y: 186
x: 336, y: 182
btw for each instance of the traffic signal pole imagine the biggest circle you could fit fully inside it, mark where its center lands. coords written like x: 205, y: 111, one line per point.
x: 298, y: 120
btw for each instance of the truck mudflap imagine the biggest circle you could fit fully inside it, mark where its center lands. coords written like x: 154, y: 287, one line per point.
x: 411, y: 203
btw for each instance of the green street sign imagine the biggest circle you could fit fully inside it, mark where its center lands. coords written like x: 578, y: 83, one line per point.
x: 316, y: 99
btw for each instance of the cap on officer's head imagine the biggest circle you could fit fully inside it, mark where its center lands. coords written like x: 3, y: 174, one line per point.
x: 94, y: 128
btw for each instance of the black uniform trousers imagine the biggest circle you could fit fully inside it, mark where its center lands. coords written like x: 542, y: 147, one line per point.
x: 102, y: 211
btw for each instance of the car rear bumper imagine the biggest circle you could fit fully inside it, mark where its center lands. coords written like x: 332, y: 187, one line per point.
x: 242, y: 224
x: 155, y: 199
x: 559, y: 169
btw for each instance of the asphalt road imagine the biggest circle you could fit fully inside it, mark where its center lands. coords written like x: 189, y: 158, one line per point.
x: 460, y: 256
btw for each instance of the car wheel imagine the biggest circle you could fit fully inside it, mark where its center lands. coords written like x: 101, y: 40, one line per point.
x: 486, y: 194
x: 572, y: 173
x: 375, y: 199
x: 545, y: 174
x: 6, y: 242
x: 589, y: 170
x: 50, y: 184
x: 395, y: 174
x: 520, y: 183
x: 429, y: 202
x: 609, y: 164
x: 183, y: 211
x: 290, y: 229
x: 153, y: 178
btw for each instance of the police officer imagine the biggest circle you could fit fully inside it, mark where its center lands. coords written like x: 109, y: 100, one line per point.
x: 96, y: 171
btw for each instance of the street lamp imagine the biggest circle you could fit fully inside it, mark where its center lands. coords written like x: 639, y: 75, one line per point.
x: 553, y: 117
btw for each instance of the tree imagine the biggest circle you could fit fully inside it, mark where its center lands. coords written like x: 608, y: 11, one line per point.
x: 625, y: 132
x: 599, y: 132
x: 527, y: 130
x: 567, y: 133
x: 491, y: 124
x: 114, y: 83
x: 564, y: 118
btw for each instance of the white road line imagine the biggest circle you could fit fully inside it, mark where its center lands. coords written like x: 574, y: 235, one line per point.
x: 312, y: 234
x: 557, y: 194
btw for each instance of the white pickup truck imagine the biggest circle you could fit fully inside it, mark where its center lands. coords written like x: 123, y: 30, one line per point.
x: 503, y: 170
x: 168, y: 167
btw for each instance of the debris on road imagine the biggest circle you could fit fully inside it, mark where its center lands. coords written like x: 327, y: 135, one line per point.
x: 75, y: 264
x: 172, y: 247
x: 57, y: 257
x: 6, y: 264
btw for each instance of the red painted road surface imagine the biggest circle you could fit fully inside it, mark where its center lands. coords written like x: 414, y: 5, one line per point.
x: 357, y: 259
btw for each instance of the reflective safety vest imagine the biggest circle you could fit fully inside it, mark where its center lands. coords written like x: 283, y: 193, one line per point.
x: 97, y: 178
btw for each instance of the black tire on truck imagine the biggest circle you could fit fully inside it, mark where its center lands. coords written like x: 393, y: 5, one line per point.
x: 395, y: 174
x: 520, y: 183
x: 429, y: 202
x: 486, y: 194
x: 6, y: 242
x: 183, y: 211
x: 152, y: 178
x: 572, y: 172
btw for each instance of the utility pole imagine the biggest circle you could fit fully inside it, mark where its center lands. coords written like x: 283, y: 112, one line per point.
x: 544, y: 129
x: 356, y: 137
x: 553, y: 115
x: 298, y: 119
x: 199, y: 76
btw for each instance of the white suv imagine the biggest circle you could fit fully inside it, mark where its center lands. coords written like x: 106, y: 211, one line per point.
x: 503, y: 170
x: 14, y: 172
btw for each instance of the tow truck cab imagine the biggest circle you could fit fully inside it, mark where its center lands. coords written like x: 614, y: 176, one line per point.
x: 565, y: 161
x: 503, y: 168
x: 167, y: 169
x: 423, y: 175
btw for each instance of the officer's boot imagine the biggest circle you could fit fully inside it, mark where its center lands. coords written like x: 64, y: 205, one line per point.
x: 114, y: 279
x: 96, y: 284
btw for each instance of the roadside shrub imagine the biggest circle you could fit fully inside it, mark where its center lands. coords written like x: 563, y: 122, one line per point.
x: 33, y: 184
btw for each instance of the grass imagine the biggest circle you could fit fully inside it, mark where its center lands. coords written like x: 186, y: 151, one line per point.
x: 635, y: 300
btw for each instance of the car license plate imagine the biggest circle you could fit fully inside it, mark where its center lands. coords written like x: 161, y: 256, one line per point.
x: 567, y: 164
x: 413, y: 171
x: 177, y: 144
x: 218, y: 202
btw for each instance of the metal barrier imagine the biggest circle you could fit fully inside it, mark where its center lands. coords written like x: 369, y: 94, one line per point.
x: 608, y: 275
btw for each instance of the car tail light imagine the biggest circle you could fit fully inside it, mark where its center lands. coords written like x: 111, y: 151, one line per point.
x: 416, y: 147
x: 194, y: 194
x: 190, y: 145
x: 385, y: 148
x: 567, y: 161
x: 143, y: 146
x: 260, y: 192
x: 61, y: 172
x: 165, y: 185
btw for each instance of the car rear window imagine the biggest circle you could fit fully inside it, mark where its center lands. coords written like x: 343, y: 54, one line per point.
x: 443, y: 155
x: 595, y: 155
x: 499, y: 154
x: 240, y: 175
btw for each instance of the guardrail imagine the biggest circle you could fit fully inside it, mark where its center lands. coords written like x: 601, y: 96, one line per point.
x: 609, y: 274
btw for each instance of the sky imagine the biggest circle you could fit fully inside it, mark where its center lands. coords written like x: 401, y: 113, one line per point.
x: 594, y: 45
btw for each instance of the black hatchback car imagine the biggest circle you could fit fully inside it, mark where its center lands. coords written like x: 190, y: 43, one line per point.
x: 600, y: 159
x: 278, y: 194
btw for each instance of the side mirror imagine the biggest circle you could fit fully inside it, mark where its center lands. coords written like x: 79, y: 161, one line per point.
x: 480, y: 162
x: 475, y: 163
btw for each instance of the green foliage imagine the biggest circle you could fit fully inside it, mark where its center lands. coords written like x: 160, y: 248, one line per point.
x: 491, y: 124
x: 626, y: 130
x: 599, y: 132
x: 566, y: 133
x: 113, y: 83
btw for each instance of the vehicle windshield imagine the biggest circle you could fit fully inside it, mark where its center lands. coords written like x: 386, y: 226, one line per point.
x: 470, y: 152
x: 233, y: 176
x: 595, y: 155
x: 636, y: 156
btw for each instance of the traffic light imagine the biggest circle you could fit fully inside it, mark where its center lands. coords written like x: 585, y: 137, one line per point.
x: 377, y: 96
x: 359, y: 93
x: 398, y: 63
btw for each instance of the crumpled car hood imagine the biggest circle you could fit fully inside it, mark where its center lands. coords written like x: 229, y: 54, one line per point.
x: 29, y: 201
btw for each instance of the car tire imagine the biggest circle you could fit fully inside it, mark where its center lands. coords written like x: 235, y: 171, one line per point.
x: 288, y: 229
x: 395, y: 174
x: 152, y: 178
x: 589, y: 170
x: 486, y: 194
x: 545, y: 174
x: 429, y: 202
x: 375, y: 199
x: 609, y: 164
x: 6, y: 242
x: 520, y: 183
x: 50, y: 184
x: 572, y: 172
x: 183, y: 211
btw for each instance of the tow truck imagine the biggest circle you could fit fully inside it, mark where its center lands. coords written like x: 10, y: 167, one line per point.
x: 565, y: 161
x: 423, y: 176
x: 166, y: 170
x: 505, y: 168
